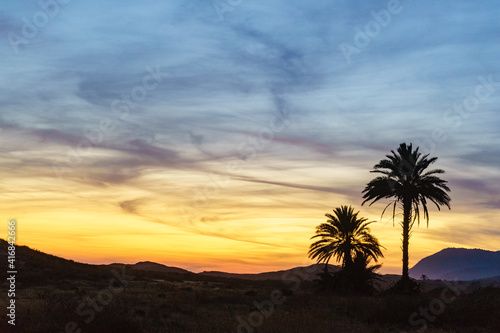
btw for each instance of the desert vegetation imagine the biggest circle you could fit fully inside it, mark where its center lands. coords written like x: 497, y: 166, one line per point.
x: 159, y: 302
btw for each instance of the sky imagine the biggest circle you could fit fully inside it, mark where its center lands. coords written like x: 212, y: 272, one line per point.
x: 215, y: 135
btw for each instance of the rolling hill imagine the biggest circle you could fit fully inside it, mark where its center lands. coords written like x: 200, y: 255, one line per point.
x: 449, y: 264
x: 155, y: 267
x: 39, y: 268
x: 306, y: 273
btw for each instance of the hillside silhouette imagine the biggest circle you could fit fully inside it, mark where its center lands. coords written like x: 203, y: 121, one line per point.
x: 161, y: 298
x: 459, y: 264
x: 38, y: 268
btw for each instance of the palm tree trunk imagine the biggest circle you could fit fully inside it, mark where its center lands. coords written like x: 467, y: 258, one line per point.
x: 348, y: 260
x: 405, y: 279
x: 347, y: 254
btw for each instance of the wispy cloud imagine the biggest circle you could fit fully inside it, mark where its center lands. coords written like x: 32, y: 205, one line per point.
x: 222, y: 84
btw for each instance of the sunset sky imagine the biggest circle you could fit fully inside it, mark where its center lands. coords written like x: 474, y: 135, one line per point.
x: 215, y: 135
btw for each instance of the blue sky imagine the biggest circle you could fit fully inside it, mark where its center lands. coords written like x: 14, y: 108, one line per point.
x: 143, y: 107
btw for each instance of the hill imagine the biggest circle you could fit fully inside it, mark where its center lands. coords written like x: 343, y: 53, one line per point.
x: 155, y: 267
x: 308, y: 273
x: 459, y: 264
x: 449, y: 264
x: 39, y: 268
x: 36, y: 267
x: 54, y: 292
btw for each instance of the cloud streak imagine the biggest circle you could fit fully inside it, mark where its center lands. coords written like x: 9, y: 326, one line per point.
x: 222, y: 83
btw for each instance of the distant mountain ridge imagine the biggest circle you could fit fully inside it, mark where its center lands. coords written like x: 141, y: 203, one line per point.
x: 450, y: 264
x: 458, y: 264
x: 306, y: 273
x: 40, y: 263
x: 156, y: 267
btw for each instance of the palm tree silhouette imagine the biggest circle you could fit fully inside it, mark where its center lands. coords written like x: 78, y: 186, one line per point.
x: 364, y: 277
x: 343, y: 236
x: 404, y: 178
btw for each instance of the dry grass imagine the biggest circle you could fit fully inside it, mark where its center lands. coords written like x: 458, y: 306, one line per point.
x: 146, y: 305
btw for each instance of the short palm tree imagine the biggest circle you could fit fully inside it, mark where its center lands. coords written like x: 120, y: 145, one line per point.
x: 343, y: 236
x: 364, y: 277
x: 404, y: 178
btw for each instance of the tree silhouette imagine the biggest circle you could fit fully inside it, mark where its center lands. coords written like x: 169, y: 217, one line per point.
x: 405, y: 179
x: 343, y: 236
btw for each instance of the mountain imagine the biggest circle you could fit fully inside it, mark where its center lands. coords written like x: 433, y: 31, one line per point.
x: 448, y: 264
x: 40, y: 268
x: 155, y: 267
x: 305, y: 273
x: 458, y: 264
x: 36, y: 267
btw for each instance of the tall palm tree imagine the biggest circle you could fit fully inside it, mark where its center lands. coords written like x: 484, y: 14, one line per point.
x: 405, y: 179
x: 343, y: 236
